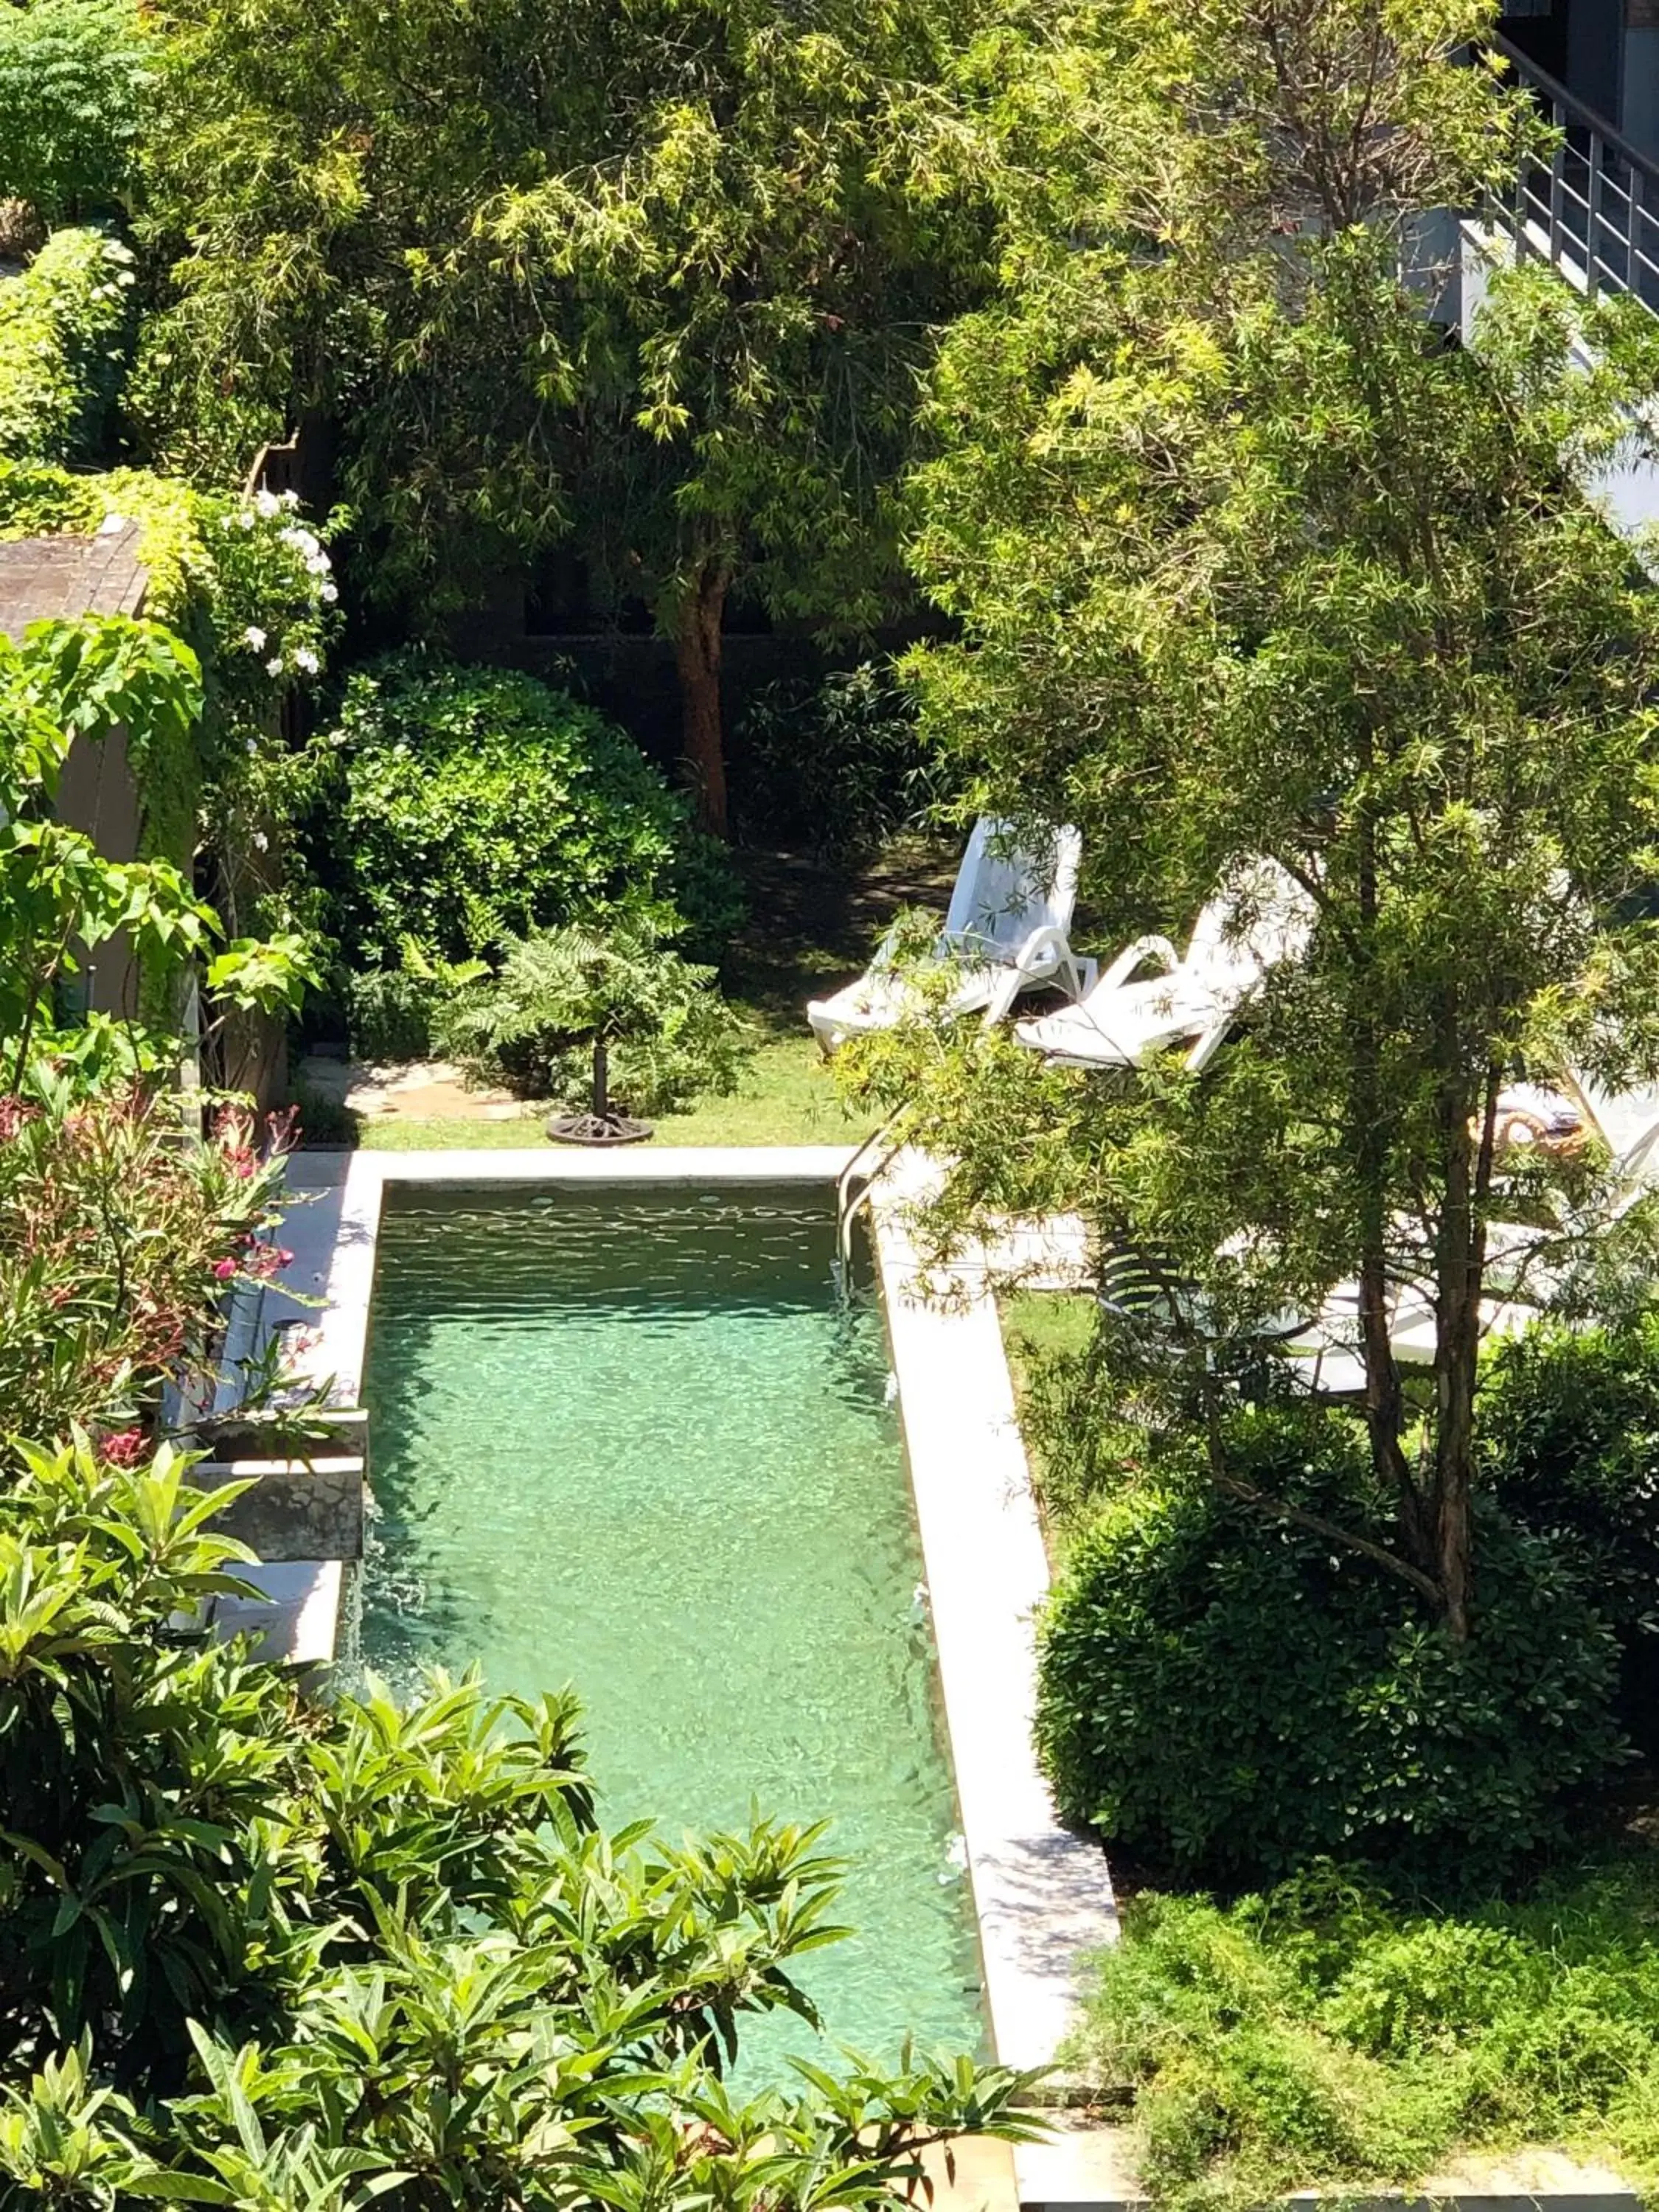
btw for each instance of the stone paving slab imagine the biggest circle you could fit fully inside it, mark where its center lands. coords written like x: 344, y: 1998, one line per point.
x: 1089, y: 2167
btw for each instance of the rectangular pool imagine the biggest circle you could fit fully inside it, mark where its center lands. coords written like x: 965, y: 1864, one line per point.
x: 635, y: 1440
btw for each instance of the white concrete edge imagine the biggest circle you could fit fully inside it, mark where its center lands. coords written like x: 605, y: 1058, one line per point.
x: 1042, y: 1894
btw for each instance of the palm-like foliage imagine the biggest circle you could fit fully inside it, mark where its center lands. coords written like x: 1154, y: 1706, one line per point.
x: 564, y: 994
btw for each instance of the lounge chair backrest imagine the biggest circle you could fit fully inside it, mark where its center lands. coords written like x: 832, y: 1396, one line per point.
x: 1260, y: 917
x: 1626, y: 1121
x: 1004, y: 891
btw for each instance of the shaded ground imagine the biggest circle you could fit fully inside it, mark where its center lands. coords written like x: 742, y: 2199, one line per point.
x: 812, y: 926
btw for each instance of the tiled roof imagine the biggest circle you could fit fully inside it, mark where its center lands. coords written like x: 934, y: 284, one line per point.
x: 44, y: 576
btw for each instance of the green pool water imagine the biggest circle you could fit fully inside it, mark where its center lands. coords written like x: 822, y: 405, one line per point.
x: 639, y: 1444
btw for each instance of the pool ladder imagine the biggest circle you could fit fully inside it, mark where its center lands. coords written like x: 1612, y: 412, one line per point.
x: 857, y: 1181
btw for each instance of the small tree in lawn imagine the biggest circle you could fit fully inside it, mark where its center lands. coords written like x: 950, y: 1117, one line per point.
x: 1252, y: 562
x: 574, y: 1009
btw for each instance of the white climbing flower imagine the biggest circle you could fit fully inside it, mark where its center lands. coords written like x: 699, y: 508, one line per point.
x: 274, y: 667
x: 330, y: 592
x: 247, y: 518
x: 268, y: 504
x: 260, y: 840
x: 254, y: 638
x: 253, y: 745
x: 306, y: 659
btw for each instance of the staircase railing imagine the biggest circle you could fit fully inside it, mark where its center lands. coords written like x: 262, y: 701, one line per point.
x: 1593, y: 210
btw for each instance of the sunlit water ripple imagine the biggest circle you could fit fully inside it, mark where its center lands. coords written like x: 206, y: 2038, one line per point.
x: 639, y: 1444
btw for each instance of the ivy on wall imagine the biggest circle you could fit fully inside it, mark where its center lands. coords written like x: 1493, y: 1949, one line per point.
x: 250, y: 588
x: 64, y: 327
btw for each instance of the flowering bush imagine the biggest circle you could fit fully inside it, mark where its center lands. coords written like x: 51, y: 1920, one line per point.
x: 245, y: 580
x: 272, y: 592
x: 117, y: 1241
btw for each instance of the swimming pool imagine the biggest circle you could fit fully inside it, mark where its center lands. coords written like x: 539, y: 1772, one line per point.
x: 634, y: 1439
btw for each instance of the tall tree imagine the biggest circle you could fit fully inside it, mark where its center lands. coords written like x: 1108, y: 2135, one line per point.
x: 663, y: 277
x: 1252, y: 561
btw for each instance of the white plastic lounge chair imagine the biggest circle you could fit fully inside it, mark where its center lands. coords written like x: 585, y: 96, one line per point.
x: 1005, y: 932
x: 1261, y: 919
x: 1628, y: 1124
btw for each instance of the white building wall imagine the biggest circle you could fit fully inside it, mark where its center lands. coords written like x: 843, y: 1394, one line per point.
x: 1628, y: 490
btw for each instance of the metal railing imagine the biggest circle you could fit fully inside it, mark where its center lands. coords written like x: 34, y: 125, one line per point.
x: 1593, y: 210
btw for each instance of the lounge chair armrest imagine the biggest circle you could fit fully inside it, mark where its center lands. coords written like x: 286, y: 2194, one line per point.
x: 1144, y: 948
x: 882, y: 958
x: 1205, y: 1050
x: 1042, y: 956
x: 1045, y: 947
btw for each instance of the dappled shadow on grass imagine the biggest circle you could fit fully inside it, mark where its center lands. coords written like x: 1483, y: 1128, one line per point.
x: 813, y: 923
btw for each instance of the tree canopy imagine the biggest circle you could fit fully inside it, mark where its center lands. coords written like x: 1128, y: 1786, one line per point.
x: 1253, y: 561
x: 661, y: 282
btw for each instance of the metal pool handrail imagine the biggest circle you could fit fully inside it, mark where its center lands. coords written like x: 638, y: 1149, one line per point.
x: 849, y: 1201
x: 1593, y: 212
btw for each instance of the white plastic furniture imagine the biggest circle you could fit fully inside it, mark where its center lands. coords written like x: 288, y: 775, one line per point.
x: 1005, y: 932
x: 1260, y: 919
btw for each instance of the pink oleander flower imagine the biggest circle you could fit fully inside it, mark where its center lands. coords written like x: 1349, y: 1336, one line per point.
x: 224, y: 1269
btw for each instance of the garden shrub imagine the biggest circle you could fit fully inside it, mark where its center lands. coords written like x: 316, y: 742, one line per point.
x: 75, y: 77
x: 258, y: 1951
x: 1569, y: 1430
x: 62, y: 324
x: 835, y: 761
x: 389, y: 1013
x: 116, y: 1245
x: 1569, y: 1426
x: 670, y: 1036
x: 1230, y: 1696
x: 1322, y: 2035
x: 475, y: 804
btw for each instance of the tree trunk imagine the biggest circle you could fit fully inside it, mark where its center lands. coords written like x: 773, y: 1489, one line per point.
x: 1384, y: 1400
x: 697, y: 658
x: 601, y: 1100
x: 1460, y: 1270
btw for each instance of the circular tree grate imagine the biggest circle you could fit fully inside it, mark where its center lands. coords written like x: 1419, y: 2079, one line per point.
x: 597, y: 1129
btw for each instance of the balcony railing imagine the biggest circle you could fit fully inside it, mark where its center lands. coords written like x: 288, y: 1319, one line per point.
x: 1594, y: 209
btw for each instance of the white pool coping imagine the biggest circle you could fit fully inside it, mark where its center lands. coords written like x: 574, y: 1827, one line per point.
x: 1042, y: 1895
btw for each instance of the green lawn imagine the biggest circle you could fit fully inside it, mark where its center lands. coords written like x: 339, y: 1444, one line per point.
x: 786, y: 1097
x: 812, y: 925
x: 1036, y: 1323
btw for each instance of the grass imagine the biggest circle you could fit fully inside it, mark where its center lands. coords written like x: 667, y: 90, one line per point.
x: 1041, y: 1329
x: 812, y: 926
x: 1038, y: 1325
x: 1325, y: 2036
x: 786, y: 1096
